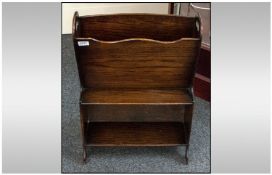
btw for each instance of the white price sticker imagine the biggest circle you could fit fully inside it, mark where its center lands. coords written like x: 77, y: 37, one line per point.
x: 83, y: 43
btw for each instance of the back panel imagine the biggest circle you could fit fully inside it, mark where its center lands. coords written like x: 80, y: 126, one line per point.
x: 118, y: 27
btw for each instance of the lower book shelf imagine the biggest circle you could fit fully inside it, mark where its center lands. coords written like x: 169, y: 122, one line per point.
x: 135, y: 134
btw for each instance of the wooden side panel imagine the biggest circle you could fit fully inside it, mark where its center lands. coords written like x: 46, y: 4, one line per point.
x: 118, y: 27
x: 188, y: 116
x: 137, y: 64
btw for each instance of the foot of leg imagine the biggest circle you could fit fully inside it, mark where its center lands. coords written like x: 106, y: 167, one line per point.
x: 186, y: 154
x: 84, y: 154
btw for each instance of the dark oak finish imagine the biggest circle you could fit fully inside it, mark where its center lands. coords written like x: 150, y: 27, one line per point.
x: 136, y: 134
x: 136, y: 72
x: 146, y: 96
x: 132, y: 64
x: 188, y: 113
x: 124, y: 26
x: 135, y: 113
x: 83, y: 125
x: 171, y: 8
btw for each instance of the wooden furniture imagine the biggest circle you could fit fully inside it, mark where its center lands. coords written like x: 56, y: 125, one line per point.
x: 202, y: 80
x: 136, y: 73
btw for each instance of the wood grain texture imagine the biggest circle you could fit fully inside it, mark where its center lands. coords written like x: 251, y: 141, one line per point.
x: 157, y: 97
x: 138, y: 64
x: 136, y: 50
x: 135, y: 113
x: 123, y: 26
x: 135, y: 134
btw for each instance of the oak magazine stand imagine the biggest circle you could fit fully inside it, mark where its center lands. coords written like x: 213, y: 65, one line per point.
x: 136, y: 72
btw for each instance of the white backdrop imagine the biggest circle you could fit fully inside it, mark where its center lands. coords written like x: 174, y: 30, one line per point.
x: 68, y: 10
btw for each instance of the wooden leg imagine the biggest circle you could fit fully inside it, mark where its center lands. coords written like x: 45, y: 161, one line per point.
x: 186, y: 154
x: 83, y: 118
x: 84, y: 154
x: 188, y: 115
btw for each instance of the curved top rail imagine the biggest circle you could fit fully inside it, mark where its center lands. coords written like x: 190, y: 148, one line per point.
x: 137, y: 39
x: 112, y: 28
x: 134, y: 14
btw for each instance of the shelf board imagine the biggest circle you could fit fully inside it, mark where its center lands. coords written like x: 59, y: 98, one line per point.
x: 135, y: 134
x: 140, y: 96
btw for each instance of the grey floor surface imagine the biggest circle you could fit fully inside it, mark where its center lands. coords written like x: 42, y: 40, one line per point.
x: 126, y: 160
